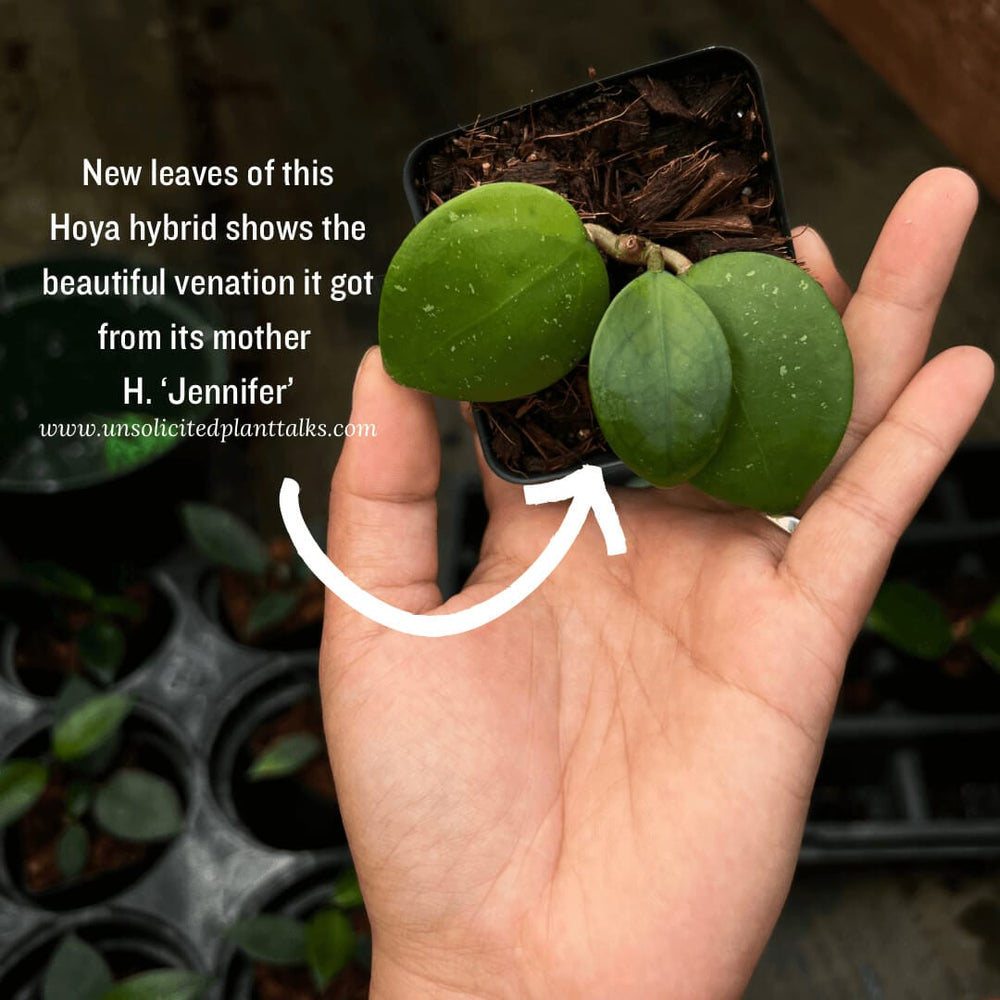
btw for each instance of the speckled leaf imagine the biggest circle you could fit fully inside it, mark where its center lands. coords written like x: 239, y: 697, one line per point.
x: 792, y: 379
x: 660, y: 379
x: 495, y: 294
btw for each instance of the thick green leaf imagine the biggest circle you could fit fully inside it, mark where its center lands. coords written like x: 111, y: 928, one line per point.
x: 792, y: 379
x: 272, y: 609
x: 57, y: 580
x: 72, y: 851
x: 225, y: 539
x: 89, y: 725
x: 285, y: 756
x: 347, y: 891
x: 985, y: 635
x: 102, y: 649
x: 329, y: 945
x: 21, y: 784
x: 495, y: 294
x: 161, y: 984
x: 136, y: 805
x: 911, y: 620
x: 271, y: 938
x: 660, y: 378
x: 76, y: 971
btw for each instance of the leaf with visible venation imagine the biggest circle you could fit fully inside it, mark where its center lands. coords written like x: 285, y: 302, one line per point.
x: 660, y: 378
x: 76, y: 971
x: 329, y: 945
x: 347, y: 891
x: 21, y: 785
x: 272, y: 609
x: 72, y: 850
x: 271, y: 938
x: 495, y: 294
x: 910, y: 619
x: 139, y: 806
x: 225, y: 539
x: 793, y: 379
x: 161, y: 984
x: 284, y: 756
x: 985, y: 635
x: 102, y: 649
x: 89, y: 725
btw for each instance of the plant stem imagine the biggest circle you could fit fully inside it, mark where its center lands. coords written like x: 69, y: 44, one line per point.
x: 637, y: 250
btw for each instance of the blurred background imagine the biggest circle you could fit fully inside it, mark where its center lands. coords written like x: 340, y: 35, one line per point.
x: 860, y: 103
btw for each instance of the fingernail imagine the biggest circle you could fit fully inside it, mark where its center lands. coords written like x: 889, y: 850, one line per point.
x: 364, y: 360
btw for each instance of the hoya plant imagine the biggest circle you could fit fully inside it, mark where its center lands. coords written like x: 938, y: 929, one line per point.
x: 331, y: 942
x: 78, y: 971
x: 265, y: 587
x: 916, y: 623
x: 84, y: 793
x: 732, y: 373
x: 70, y: 625
x: 285, y: 756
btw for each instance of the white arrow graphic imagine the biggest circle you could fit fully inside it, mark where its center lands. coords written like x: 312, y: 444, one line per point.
x: 584, y: 488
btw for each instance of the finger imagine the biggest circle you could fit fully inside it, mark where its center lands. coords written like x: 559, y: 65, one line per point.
x: 890, y: 317
x: 840, y: 550
x: 811, y: 251
x: 383, y: 509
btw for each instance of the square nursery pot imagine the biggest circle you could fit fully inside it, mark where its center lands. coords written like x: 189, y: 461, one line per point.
x: 679, y: 152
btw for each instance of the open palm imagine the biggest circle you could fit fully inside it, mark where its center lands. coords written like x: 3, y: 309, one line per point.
x: 601, y: 794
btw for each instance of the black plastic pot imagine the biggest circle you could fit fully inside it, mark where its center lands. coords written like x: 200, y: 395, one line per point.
x: 711, y: 64
x: 284, y: 813
x: 130, y: 942
x: 152, y: 748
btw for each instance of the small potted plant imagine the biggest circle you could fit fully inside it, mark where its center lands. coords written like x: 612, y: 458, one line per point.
x: 87, y: 806
x: 64, y: 625
x: 317, y: 946
x: 714, y: 362
x: 269, y: 764
x: 265, y: 594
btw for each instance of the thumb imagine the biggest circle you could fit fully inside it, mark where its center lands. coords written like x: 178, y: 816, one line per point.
x: 383, y: 508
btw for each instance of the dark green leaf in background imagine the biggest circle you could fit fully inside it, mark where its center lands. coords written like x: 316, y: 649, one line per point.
x: 74, y: 692
x: 910, y: 619
x: 160, y: 984
x: 225, y: 539
x: 72, y: 850
x: 271, y: 609
x: 660, y: 378
x: 285, y: 756
x: 271, y: 938
x: 347, y: 891
x: 54, y: 579
x: 78, y: 799
x: 329, y: 945
x: 76, y: 971
x: 21, y: 784
x: 985, y: 635
x: 89, y: 725
x: 139, y: 806
x: 102, y: 649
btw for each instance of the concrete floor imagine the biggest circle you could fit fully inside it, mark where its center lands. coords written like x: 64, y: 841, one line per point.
x: 216, y: 80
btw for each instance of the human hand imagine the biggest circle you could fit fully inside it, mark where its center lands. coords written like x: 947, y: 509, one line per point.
x: 602, y: 793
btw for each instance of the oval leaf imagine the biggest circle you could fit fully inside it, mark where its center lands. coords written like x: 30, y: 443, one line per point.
x: 89, y: 725
x: 72, y: 851
x: 102, y: 649
x: 272, y: 609
x: 347, y: 891
x: 59, y: 581
x: 495, y: 294
x: 225, y: 539
x: 74, y: 692
x: 161, y: 984
x: 911, y: 620
x: 793, y: 379
x: 660, y: 379
x: 21, y: 784
x: 285, y: 756
x: 139, y: 806
x: 76, y: 971
x: 329, y: 945
x: 271, y: 938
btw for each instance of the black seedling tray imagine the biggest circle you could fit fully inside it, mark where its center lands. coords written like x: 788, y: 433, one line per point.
x: 199, y: 693
x: 915, y: 777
